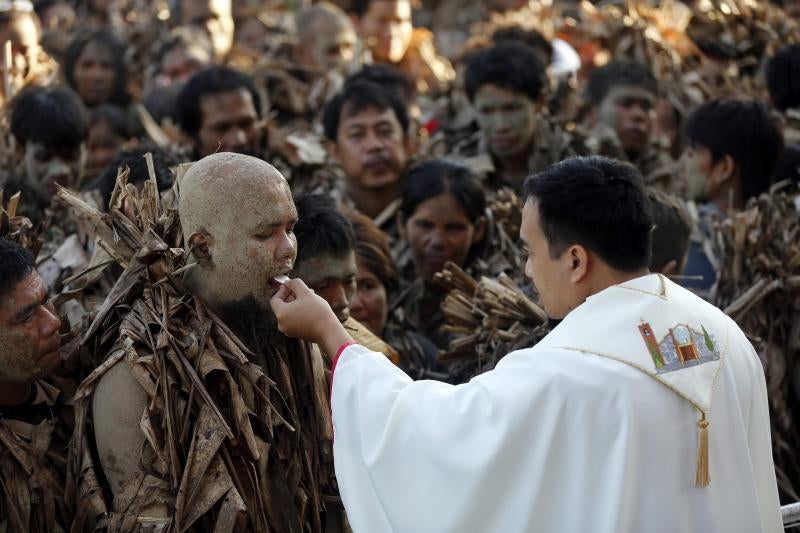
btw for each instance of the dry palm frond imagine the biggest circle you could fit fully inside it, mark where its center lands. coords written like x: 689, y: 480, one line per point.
x: 488, y: 319
x: 758, y: 252
x: 229, y: 443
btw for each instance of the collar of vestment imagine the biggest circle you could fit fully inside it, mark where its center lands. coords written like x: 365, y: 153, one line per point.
x: 656, y: 327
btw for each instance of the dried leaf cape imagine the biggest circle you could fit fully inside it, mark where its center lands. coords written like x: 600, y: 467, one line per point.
x: 229, y: 444
x: 759, y: 283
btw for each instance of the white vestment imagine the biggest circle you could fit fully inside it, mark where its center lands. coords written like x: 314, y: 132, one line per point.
x: 590, y: 430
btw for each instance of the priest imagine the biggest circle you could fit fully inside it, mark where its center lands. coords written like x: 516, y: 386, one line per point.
x: 643, y: 410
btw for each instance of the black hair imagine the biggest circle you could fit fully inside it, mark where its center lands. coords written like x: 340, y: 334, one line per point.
x: 212, y: 80
x: 744, y: 130
x: 429, y: 179
x: 112, y: 115
x: 598, y: 203
x: 617, y: 74
x: 530, y: 37
x: 50, y: 116
x: 788, y: 166
x: 372, y: 247
x: 360, y: 7
x: 389, y: 78
x: 509, y: 65
x: 358, y: 96
x: 116, y: 49
x: 16, y: 264
x: 186, y: 37
x: 321, y: 228
x: 134, y: 159
x: 671, y: 231
x: 783, y: 77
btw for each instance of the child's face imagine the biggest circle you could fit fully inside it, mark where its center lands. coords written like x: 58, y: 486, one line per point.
x: 697, y: 167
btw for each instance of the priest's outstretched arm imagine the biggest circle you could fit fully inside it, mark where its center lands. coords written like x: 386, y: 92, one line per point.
x: 416, y: 456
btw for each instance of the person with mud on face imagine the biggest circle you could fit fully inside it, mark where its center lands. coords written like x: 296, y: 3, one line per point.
x: 50, y: 129
x: 33, y: 434
x: 366, y: 126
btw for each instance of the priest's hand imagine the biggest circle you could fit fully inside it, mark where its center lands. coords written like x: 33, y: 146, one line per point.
x: 304, y: 315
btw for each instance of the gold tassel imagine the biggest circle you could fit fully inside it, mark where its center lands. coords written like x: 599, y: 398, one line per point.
x: 702, y: 478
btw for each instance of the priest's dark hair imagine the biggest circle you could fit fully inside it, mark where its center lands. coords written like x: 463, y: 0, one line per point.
x: 50, y: 116
x: 321, y: 228
x: 598, y: 203
x: 16, y: 264
x: 744, y: 130
x: 357, y: 96
x: 783, y: 77
x: 619, y: 73
x: 509, y: 65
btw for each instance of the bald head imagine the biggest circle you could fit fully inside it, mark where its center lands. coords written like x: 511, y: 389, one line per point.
x: 326, y: 37
x: 237, y: 217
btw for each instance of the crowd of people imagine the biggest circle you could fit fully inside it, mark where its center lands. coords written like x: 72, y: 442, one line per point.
x: 359, y: 145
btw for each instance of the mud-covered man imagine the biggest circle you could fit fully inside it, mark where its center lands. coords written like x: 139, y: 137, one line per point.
x: 238, y: 218
x: 33, y: 435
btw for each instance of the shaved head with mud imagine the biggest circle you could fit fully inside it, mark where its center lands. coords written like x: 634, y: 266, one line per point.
x: 238, y: 218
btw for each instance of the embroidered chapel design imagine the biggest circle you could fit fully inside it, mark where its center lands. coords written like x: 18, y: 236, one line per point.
x: 681, y: 347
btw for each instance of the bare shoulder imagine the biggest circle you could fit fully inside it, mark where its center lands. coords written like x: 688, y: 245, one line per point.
x: 117, y: 406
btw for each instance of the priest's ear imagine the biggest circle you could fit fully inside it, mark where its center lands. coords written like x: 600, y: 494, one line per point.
x: 201, y: 244
x: 576, y: 260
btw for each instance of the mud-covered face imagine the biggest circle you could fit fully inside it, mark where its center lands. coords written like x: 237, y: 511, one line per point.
x: 333, y: 46
x: 45, y: 167
x: 215, y: 17
x: 29, y: 339
x: 230, y: 124
x: 506, y: 118
x: 697, y: 168
x: 630, y: 111
x: 386, y: 29
x: 333, y: 277
x: 255, y: 244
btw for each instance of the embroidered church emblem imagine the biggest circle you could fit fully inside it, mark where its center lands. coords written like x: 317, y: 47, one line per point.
x: 681, y: 347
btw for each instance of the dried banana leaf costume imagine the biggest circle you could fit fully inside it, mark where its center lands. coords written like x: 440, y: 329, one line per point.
x: 33, y: 461
x: 230, y: 445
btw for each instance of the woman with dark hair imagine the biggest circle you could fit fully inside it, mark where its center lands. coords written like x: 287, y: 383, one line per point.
x: 94, y: 66
x: 442, y: 218
x: 376, y: 284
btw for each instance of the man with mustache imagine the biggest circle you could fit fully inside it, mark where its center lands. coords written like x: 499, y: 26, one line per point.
x: 367, y: 130
x: 33, y: 435
x: 50, y: 129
